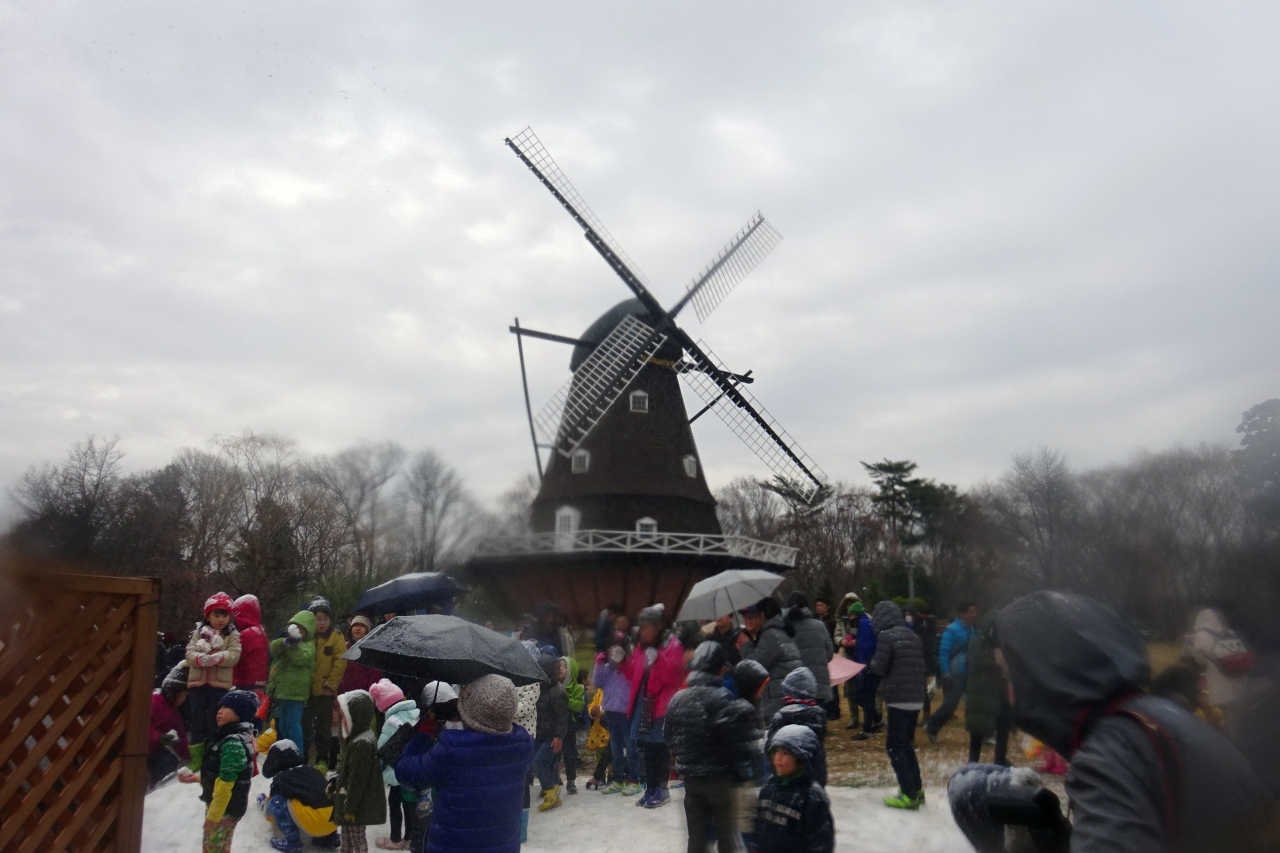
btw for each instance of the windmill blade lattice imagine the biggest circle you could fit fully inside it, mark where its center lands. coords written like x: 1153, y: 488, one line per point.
x: 806, y: 483
x: 526, y: 142
x: 569, y: 416
x: 744, y: 252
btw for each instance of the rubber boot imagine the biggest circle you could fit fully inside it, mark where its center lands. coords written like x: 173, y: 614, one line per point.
x: 524, y: 826
x: 197, y: 757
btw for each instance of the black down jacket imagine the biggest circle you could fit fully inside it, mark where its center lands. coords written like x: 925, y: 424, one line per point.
x: 553, y: 703
x: 801, y: 710
x: 292, y: 779
x: 709, y: 732
x: 1076, y: 668
x: 813, y: 641
x: 776, y: 651
x: 793, y: 814
x: 899, y: 659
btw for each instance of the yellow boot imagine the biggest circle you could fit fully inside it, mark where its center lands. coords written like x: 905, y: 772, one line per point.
x: 550, y: 799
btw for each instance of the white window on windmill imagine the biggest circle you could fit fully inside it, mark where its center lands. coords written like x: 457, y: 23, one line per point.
x: 691, y: 465
x: 647, y: 528
x: 580, y: 462
x: 640, y: 402
x: 567, y: 521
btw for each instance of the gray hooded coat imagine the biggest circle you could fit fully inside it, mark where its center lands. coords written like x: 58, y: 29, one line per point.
x: 899, y: 659
x: 813, y: 641
x: 1076, y: 669
x: 776, y: 651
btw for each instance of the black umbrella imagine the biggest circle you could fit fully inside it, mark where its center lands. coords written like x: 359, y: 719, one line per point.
x: 445, y: 648
x: 409, y: 592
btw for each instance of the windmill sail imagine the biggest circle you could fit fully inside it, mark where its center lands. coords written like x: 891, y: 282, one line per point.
x: 534, y: 155
x: 745, y: 251
x: 758, y: 429
x: 568, y: 417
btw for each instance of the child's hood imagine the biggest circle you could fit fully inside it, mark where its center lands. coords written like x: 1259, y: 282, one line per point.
x: 358, y: 711
x: 406, y: 711
x: 551, y: 666
x: 571, y: 670
x: 283, y: 755
x: 800, y: 741
x: 247, y: 612
x: 306, y: 620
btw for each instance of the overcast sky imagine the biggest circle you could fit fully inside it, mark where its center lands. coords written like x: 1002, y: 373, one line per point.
x: 1006, y: 224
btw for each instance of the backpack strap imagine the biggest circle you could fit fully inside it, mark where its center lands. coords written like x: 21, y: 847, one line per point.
x: 1172, y: 780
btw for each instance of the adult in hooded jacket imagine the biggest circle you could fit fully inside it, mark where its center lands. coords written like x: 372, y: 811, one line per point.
x: 813, y: 641
x: 772, y: 647
x: 711, y: 735
x: 1146, y: 776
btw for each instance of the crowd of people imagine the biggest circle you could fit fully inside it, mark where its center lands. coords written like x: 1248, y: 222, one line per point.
x: 736, y: 711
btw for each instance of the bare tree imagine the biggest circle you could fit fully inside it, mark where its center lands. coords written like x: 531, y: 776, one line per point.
x: 214, y: 492
x: 439, y: 515
x: 355, y: 478
x: 746, y: 507
x: 1038, y: 504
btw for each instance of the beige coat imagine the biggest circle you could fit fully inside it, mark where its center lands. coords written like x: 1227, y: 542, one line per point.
x: 211, y: 657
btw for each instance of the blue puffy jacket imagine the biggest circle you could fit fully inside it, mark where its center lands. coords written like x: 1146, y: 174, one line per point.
x: 479, y: 782
x: 953, y: 651
x: 865, y: 649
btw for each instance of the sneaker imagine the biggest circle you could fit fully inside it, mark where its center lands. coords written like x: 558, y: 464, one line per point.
x: 863, y: 736
x: 932, y: 736
x: 644, y: 800
x: 631, y: 789
x: 262, y: 802
x: 902, y: 801
x: 660, y: 798
x: 386, y: 843
x: 616, y: 788
x: 286, y: 846
x: 677, y: 783
x: 550, y: 800
x: 878, y: 727
x: 851, y: 725
x: 571, y: 788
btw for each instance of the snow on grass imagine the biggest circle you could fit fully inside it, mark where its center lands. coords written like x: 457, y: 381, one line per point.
x: 592, y: 822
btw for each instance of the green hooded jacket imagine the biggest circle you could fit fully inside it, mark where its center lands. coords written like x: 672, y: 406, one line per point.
x: 361, y: 800
x: 292, y: 665
x: 572, y: 688
x: 986, y: 682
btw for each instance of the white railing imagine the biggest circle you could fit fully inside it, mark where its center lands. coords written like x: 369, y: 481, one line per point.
x: 631, y: 542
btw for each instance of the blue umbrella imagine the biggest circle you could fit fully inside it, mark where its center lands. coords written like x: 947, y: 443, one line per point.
x: 410, y: 592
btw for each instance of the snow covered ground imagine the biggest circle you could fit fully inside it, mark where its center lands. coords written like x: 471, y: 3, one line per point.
x: 593, y: 822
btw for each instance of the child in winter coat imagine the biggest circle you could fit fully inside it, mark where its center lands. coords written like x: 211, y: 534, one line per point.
x: 167, y: 746
x: 598, y: 744
x: 802, y: 709
x: 575, y: 693
x: 254, y: 666
x: 615, y: 688
x: 553, y: 728
x: 656, y: 673
x: 226, y: 768
x: 298, y: 800
x: 401, y: 718
x: 357, y: 675
x: 477, y: 774
x: 793, y: 814
x: 359, y: 801
x: 212, y: 653
x: 325, y: 677
x: 293, y: 658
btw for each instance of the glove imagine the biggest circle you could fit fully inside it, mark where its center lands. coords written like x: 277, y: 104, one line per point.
x: 650, y: 655
x: 169, y: 738
x: 617, y: 655
x: 210, y: 660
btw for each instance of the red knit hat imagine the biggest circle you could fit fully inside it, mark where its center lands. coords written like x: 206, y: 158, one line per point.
x: 217, y: 601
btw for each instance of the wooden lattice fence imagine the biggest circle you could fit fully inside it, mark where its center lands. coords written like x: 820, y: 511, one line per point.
x: 76, y: 671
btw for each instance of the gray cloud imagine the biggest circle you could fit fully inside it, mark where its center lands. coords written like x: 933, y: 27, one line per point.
x: 1005, y: 225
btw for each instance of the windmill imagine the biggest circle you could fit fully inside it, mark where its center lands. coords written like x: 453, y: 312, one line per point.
x: 623, y: 493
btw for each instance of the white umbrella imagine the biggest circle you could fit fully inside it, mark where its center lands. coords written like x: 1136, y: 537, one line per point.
x: 727, y: 593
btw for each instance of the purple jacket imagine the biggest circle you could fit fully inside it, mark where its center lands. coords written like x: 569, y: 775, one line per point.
x: 614, y: 683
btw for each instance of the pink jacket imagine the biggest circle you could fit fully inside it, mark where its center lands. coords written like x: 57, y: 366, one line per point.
x: 665, y: 675
x: 255, y: 660
x: 164, y: 719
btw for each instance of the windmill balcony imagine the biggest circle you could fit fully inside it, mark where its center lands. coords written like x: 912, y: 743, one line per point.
x: 632, y: 542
